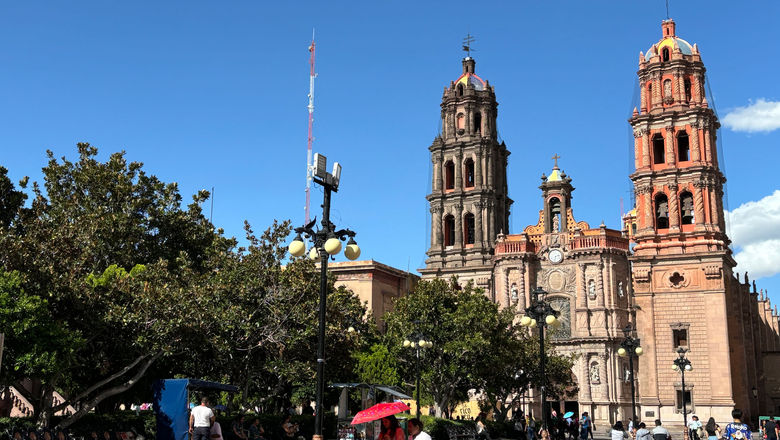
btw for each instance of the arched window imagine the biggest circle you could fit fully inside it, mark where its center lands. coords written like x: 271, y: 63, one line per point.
x: 661, y: 211
x: 468, y: 232
x: 449, y: 230
x: 658, y: 149
x: 478, y: 123
x: 665, y: 54
x: 686, y: 208
x: 687, y: 85
x: 469, y: 172
x: 449, y: 175
x: 555, y: 215
x: 683, y: 148
x: 460, y: 89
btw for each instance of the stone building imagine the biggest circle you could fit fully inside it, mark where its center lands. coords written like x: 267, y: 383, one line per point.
x: 669, y: 272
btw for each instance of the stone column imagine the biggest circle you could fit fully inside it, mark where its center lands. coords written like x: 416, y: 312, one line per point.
x: 436, y: 227
x: 670, y: 157
x: 458, y: 226
x: 478, y: 169
x: 521, y: 302
x: 585, y: 374
x: 674, y: 216
x: 707, y: 146
x: 695, y: 153
x: 680, y: 87
x: 491, y: 233
x: 657, y: 97
x: 507, y: 288
x: 582, y: 297
x: 469, y: 121
x: 719, y: 212
x: 698, y: 202
x: 459, y: 171
x: 600, y: 284
x: 714, y: 216
x: 645, y: 192
x: 478, y: 223
x: 697, y: 94
x: 646, y: 147
x: 436, y: 172
x: 643, y: 97
x: 603, y: 375
x: 489, y: 164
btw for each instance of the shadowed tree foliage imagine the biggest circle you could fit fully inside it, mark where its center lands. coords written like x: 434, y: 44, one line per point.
x: 106, y: 277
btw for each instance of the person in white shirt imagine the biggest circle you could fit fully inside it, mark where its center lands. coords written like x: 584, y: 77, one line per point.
x: 201, y: 419
x: 415, y: 428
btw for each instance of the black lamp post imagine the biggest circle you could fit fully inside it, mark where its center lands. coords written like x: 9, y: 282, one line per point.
x: 326, y: 242
x: 630, y: 347
x: 682, y: 364
x: 540, y: 314
x: 417, y: 342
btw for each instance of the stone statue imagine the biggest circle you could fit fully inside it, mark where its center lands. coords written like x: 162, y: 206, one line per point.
x: 592, y: 289
x: 620, y: 289
x: 556, y: 226
x: 513, y: 291
x: 594, y: 373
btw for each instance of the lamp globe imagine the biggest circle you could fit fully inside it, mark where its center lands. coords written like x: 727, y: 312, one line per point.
x: 333, y: 246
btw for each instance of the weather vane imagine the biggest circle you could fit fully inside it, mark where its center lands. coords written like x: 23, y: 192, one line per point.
x: 467, y: 44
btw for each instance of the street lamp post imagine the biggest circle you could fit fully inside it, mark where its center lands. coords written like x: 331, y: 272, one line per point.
x: 326, y: 242
x: 682, y: 364
x: 417, y: 342
x: 630, y: 347
x: 540, y: 314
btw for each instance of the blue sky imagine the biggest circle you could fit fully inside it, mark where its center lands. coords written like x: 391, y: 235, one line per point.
x: 214, y: 94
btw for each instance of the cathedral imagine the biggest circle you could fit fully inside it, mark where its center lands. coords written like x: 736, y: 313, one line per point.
x: 670, y: 263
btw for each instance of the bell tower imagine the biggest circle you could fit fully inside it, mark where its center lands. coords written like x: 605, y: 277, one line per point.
x: 681, y: 262
x: 469, y: 204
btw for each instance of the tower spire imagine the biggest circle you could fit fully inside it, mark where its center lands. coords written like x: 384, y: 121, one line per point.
x: 467, y: 44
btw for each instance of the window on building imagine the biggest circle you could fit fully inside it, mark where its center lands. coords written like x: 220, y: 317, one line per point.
x: 469, y: 230
x: 661, y: 212
x: 688, y: 400
x: 687, y: 85
x: 555, y: 214
x: 686, y: 208
x: 460, y: 89
x: 633, y: 228
x: 659, y: 149
x: 680, y: 337
x: 683, y: 148
x: 449, y: 230
x: 469, y: 171
x: 665, y: 54
x: 478, y: 123
x: 449, y: 175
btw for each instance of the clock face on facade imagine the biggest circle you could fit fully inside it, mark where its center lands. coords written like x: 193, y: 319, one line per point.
x: 555, y: 256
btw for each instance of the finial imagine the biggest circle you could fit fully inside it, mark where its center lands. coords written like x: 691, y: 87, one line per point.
x: 635, y: 112
x: 467, y: 44
x: 641, y: 57
x: 555, y: 158
x: 544, y: 177
x: 747, y: 281
x: 602, y: 225
x: 761, y: 297
x: 695, y: 48
x: 754, y: 286
x: 704, y: 102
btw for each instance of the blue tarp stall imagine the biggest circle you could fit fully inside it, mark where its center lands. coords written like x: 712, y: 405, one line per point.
x: 171, y: 404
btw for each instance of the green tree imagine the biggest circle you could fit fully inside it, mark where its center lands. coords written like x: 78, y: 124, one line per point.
x: 377, y: 366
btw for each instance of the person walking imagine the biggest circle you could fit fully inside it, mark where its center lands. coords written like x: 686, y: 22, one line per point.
x: 712, y: 429
x: 618, y: 432
x: 415, y: 428
x: 586, y: 427
x: 201, y: 419
x: 659, y: 432
x: 771, y: 429
x: 737, y: 430
x: 530, y: 427
x: 643, y: 433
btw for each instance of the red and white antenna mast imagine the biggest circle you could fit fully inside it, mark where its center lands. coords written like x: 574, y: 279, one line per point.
x: 309, y: 171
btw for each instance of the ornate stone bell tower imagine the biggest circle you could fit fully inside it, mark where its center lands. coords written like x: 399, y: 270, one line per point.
x: 468, y: 200
x: 681, y: 263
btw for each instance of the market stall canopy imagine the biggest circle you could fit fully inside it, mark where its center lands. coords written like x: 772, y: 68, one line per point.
x: 393, y: 391
x: 171, y: 397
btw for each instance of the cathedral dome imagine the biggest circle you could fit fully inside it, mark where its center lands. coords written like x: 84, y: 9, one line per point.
x: 671, y: 42
x: 473, y: 79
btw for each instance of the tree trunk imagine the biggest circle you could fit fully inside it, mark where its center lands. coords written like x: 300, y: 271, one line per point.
x: 90, y: 404
x: 44, y: 407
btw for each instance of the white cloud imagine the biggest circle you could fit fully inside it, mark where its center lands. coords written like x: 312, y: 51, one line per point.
x: 759, y: 116
x: 755, y: 232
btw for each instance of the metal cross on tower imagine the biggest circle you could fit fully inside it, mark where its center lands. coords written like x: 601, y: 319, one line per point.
x: 555, y: 158
x: 467, y: 44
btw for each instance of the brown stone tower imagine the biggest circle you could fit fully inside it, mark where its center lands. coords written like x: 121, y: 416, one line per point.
x: 468, y: 201
x: 682, y: 266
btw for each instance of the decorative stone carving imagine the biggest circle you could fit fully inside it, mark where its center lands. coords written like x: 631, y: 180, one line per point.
x: 712, y: 272
x: 595, y: 376
x: 642, y: 275
x: 591, y: 290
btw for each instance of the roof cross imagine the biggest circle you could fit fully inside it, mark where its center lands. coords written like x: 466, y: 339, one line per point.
x: 467, y: 43
x: 555, y: 158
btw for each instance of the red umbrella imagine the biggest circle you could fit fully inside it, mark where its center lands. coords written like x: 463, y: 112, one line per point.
x: 378, y: 411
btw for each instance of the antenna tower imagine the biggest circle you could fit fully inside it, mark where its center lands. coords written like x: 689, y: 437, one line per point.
x: 309, y: 170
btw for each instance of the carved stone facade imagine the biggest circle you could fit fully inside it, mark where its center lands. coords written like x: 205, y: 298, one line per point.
x: 469, y: 202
